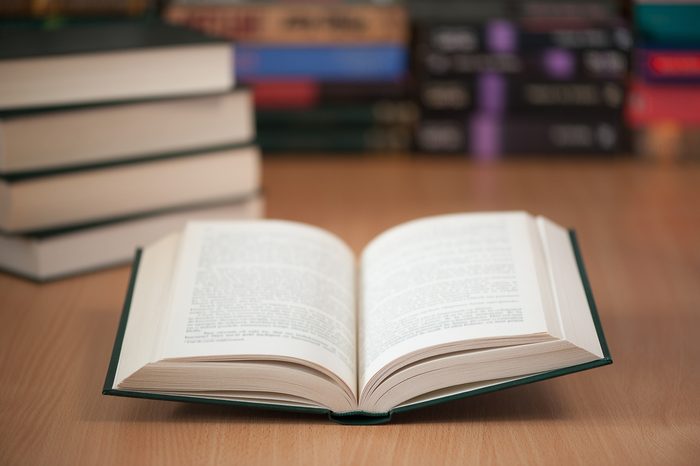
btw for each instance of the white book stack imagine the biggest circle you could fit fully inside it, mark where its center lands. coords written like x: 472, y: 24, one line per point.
x: 113, y: 135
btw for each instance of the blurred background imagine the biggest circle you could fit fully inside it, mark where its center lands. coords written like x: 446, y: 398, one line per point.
x: 480, y: 79
x: 123, y: 119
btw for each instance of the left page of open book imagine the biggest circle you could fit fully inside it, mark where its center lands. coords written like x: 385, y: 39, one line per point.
x: 263, y: 290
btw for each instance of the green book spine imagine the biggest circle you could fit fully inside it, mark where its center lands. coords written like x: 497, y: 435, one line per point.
x: 334, y: 140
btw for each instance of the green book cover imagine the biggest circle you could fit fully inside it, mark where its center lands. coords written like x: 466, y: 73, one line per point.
x: 353, y: 140
x: 357, y: 417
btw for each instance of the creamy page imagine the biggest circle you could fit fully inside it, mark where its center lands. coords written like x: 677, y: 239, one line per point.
x: 271, y: 288
x: 445, y: 279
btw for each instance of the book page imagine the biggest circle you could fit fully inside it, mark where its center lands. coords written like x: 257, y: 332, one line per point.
x: 447, y: 279
x: 271, y: 289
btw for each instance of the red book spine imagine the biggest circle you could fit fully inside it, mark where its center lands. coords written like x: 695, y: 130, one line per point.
x: 285, y: 94
x: 667, y: 65
x: 660, y: 103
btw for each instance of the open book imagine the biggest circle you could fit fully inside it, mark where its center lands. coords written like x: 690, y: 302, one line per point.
x: 280, y: 314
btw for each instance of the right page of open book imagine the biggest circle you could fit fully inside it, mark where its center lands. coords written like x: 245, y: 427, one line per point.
x: 447, y: 279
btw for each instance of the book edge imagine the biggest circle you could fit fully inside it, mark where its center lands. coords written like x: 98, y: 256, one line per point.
x: 62, y: 229
x: 108, y: 387
x: 31, y: 175
x: 190, y: 38
x: 607, y: 358
x: 23, y: 112
x: 121, y: 328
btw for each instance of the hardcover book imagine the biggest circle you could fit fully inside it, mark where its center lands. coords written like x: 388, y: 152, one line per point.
x: 89, y: 194
x: 497, y: 93
x: 324, y: 138
x: 22, y: 9
x: 669, y: 65
x: 307, y: 93
x: 663, y: 103
x: 124, y: 131
x: 508, y: 36
x: 121, y: 60
x: 381, y: 112
x: 551, y: 63
x: 669, y: 24
x: 60, y: 253
x: 281, y: 315
x: 295, y: 23
x: 487, y: 135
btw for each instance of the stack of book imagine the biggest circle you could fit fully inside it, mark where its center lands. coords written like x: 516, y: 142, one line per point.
x: 112, y: 135
x: 326, y: 76
x: 664, y: 105
x: 534, y: 76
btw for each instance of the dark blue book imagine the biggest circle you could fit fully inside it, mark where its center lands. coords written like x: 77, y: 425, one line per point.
x: 488, y: 136
x: 324, y: 62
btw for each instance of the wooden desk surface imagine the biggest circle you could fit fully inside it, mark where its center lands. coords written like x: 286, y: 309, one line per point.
x: 639, y: 227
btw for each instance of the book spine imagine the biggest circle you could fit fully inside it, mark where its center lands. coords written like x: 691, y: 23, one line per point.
x: 542, y: 13
x: 350, y: 140
x: 668, y: 24
x: 498, y: 93
x: 297, y: 23
x: 487, y: 136
x: 507, y: 36
x: 441, y: 135
x: 549, y: 136
x: 351, y: 62
x: 438, y: 95
x: 373, y: 114
x: 570, y: 13
x: 304, y: 93
x: 682, y: 66
x: 663, y: 102
x: 553, y: 63
x: 457, y: 10
x: 78, y: 8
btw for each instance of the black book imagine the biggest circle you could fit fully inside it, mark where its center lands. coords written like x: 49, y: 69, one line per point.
x: 487, y: 136
x: 497, y: 93
x: 83, y: 63
x: 549, y: 63
x: 508, y: 36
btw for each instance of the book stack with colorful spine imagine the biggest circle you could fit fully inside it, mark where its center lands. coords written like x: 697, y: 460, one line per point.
x: 114, y: 132
x: 664, y: 104
x: 501, y: 78
x: 326, y: 76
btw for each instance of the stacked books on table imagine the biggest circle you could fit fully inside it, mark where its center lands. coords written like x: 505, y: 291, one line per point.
x: 326, y: 76
x: 538, y: 76
x: 112, y: 135
x: 664, y: 105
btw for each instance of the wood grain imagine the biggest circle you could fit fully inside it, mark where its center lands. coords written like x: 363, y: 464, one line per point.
x: 639, y: 228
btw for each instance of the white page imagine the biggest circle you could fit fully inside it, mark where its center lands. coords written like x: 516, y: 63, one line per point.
x: 446, y: 279
x: 270, y: 288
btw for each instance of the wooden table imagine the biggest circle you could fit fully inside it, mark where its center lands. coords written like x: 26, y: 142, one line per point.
x: 639, y: 227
